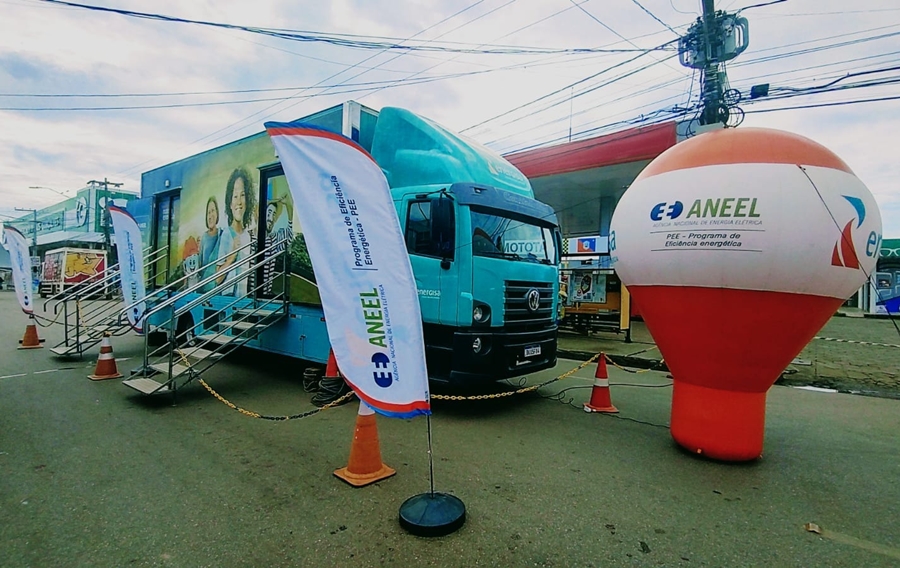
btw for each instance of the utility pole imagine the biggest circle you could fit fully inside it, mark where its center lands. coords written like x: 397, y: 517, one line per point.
x: 712, y: 88
x: 716, y: 37
x: 105, y: 184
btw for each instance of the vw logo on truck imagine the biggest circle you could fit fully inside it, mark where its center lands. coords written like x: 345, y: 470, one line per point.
x: 533, y: 298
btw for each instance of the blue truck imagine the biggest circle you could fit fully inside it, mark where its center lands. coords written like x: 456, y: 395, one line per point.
x: 484, y: 252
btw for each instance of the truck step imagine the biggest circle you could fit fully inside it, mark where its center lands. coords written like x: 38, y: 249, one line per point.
x: 164, y: 369
x: 147, y: 386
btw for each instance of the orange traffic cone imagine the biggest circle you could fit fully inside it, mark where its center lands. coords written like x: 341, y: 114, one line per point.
x: 365, y: 465
x: 600, y: 399
x: 31, y: 339
x: 106, y: 363
x: 331, y: 368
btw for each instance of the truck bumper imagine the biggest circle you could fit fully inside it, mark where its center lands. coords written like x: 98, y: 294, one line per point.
x: 503, y: 354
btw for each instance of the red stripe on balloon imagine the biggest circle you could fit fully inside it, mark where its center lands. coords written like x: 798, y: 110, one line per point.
x: 730, y: 339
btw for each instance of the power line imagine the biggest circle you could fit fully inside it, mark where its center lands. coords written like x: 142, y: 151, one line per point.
x: 761, y: 5
x: 841, y: 13
x: 672, y: 3
x: 409, y: 76
x: 820, y: 105
x: 560, y: 90
x: 228, y: 129
x: 501, y: 37
x: 652, y: 15
x: 347, y: 40
x: 352, y: 88
x: 235, y: 91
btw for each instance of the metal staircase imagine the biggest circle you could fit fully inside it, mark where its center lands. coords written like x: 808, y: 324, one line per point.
x: 91, y: 308
x: 191, y: 349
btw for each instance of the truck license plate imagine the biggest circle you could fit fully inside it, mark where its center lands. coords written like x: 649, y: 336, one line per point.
x: 533, y: 350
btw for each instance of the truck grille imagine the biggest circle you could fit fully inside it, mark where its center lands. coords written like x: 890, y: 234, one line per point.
x: 515, y: 303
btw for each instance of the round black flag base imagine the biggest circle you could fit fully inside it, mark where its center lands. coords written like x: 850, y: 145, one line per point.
x: 432, y: 514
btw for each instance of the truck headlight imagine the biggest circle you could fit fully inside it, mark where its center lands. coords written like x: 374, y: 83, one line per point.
x: 477, y: 345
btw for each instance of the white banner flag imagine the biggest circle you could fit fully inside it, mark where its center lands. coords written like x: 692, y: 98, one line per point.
x: 131, y: 264
x: 17, y: 246
x: 359, y: 256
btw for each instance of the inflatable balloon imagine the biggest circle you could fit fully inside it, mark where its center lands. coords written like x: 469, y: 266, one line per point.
x: 739, y: 245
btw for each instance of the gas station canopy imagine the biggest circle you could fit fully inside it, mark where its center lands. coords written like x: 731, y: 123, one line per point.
x: 583, y: 180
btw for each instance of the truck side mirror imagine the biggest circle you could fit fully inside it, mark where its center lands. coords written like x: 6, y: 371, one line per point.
x: 443, y: 230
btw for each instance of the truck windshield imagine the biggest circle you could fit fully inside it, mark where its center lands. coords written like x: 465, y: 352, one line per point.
x: 501, y: 237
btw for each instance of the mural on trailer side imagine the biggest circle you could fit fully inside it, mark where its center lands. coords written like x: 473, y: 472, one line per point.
x: 218, y: 220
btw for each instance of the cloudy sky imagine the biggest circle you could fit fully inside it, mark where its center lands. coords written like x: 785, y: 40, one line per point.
x: 533, y: 93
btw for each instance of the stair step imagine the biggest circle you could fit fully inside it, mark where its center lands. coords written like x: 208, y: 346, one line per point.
x: 199, y: 353
x: 65, y: 349
x: 220, y: 338
x: 147, y: 386
x: 252, y: 312
x: 240, y: 325
x: 164, y: 369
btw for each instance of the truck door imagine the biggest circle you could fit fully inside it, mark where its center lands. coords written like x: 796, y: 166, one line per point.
x: 165, y: 234
x: 431, y: 242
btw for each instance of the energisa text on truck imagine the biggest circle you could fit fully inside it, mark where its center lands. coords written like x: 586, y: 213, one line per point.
x: 484, y: 252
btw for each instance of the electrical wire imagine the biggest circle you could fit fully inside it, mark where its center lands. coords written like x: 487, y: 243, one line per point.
x: 652, y: 15
x: 672, y: 3
x: 240, y: 124
x: 739, y: 10
x: 822, y: 105
x: 562, y: 89
x: 347, y: 40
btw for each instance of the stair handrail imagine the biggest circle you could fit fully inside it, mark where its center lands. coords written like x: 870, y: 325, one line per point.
x: 238, y: 299
x: 180, y: 295
x: 81, y: 289
x: 173, y: 339
x: 86, y: 293
x: 209, y: 294
x: 174, y: 284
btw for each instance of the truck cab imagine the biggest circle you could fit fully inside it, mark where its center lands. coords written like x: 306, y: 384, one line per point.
x: 484, y: 252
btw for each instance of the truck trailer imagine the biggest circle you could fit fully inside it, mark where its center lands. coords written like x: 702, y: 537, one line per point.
x: 65, y: 268
x: 484, y: 252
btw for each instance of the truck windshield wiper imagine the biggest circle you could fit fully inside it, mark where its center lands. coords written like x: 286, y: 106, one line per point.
x: 501, y: 254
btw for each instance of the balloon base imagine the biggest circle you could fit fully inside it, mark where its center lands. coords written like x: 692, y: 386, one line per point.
x: 718, y: 424
x: 432, y: 514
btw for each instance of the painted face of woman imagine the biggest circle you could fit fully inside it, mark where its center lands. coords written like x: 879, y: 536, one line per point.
x: 238, y: 201
x: 212, y: 215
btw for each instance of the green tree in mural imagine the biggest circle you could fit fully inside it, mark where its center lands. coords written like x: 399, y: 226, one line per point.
x: 300, y: 261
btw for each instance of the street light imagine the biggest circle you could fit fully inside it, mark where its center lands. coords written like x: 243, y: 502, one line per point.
x: 50, y: 188
x: 34, y: 213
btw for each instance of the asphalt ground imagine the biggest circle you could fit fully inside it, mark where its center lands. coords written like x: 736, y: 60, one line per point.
x: 853, y: 354
x: 94, y: 474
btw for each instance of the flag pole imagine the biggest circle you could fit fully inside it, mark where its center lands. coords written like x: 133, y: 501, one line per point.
x: 432, y: 513
x: 430, y: 455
